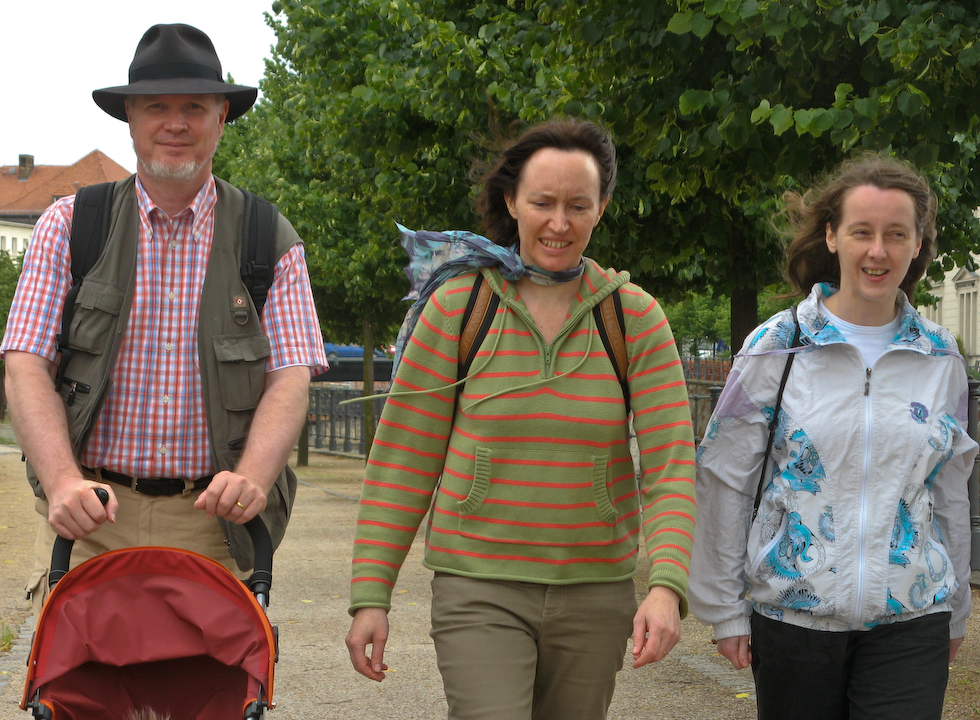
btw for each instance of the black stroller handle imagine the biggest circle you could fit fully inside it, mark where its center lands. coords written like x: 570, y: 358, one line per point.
x: 260, y: 581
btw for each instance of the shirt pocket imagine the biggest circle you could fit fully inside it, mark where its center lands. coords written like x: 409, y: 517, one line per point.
x: 241, y: 369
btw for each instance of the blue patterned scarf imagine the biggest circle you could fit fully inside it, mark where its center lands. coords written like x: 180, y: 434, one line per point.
x: 435, y: 257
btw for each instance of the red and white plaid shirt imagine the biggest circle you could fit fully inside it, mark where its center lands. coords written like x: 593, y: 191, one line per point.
x: 153, y: 423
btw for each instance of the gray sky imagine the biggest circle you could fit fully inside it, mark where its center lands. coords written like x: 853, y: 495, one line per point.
x: 56, y: 52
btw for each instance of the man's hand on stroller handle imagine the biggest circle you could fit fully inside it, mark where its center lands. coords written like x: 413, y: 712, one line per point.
x: 232, y: 496
x: 369, y: 627
x: 75, y: 511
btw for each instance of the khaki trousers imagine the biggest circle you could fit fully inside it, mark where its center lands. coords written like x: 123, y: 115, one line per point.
x: 523, y: 651
x: 168, y: 521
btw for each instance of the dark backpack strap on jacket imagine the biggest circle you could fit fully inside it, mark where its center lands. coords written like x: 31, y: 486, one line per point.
x: 258, y: 247
x: 774, y: 420
x: 89, y: 230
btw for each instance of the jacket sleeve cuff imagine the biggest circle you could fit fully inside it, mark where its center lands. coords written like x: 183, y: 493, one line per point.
x: 957, y: 629
x: 733, y: 628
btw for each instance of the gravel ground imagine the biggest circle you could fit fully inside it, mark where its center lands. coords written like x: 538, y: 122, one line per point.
x: 314, y: 678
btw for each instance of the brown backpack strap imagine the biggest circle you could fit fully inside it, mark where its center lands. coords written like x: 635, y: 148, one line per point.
x: 609, y: 320
x: 477, y: 318
x: 612, y: 330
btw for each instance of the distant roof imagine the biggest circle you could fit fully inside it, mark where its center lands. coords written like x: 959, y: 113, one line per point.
x: 46, y: 183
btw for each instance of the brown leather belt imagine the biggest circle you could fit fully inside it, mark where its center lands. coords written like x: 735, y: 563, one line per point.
x: 156, y: 486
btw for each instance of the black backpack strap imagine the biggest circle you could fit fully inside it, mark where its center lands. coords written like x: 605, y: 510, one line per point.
x: 89, y: 230
x: 774, y: 420
x: 258, y: 247
x: 612, y: 330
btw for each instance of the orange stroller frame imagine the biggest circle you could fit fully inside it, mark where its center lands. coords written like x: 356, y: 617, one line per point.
x: 153, y: 627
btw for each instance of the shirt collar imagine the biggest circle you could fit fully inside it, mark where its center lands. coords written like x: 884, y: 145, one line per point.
x: 200, y: 208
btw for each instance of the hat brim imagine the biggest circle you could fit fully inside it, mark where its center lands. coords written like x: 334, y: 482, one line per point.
x: 113, y: 99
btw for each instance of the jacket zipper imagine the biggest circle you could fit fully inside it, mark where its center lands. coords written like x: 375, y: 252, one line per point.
x: 865, y: 478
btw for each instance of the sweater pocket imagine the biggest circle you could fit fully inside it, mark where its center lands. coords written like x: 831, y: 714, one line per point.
x: 537, y: 497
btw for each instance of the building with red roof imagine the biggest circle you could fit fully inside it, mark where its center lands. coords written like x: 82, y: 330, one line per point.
x: 26, y: 189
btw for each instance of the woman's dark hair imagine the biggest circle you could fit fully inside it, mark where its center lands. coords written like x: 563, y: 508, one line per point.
x: 500, y: 181
x: 809, y: 261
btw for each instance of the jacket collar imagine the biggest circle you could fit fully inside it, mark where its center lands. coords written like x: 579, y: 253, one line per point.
x: 914, y: 333
x: 816, y: 329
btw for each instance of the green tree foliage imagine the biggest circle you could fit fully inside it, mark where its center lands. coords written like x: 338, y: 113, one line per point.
x: 698, y: 322
x: 9, y: 275
x: 720, y: 104
x: 375, y: 110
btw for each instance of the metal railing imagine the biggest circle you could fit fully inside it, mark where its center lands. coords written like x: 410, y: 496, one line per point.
x: 337, y: 426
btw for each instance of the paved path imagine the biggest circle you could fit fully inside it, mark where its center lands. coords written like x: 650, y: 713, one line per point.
x: 314, y: 679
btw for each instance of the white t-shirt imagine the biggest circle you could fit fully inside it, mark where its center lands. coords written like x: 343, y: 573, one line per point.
x: 871, y: 340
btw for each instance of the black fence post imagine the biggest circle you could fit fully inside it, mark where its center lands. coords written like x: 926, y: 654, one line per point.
x: 715, y: 392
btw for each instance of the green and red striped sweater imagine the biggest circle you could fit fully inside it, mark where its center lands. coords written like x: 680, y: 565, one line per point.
x: 533, y: 477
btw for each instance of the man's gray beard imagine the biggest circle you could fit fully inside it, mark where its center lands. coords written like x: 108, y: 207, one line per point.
x: 181, y: 172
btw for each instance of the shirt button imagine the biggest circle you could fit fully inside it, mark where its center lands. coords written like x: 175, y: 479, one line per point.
x: 173, y: 246
x: 172, y: 295
x: 166, y: 399
x: 163, y: 450
x: 168, y: 347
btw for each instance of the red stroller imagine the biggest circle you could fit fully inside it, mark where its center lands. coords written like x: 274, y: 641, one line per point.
x: 153, y: 627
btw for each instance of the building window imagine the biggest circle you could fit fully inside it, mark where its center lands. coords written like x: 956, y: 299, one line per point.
x: 13, y: 244
x: 3, y: 242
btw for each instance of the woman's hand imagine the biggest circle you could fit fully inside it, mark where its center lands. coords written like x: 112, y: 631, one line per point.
x: 369, y: 627
x: 954, y: 646
x: 656, y: 626
x: 737, y: 650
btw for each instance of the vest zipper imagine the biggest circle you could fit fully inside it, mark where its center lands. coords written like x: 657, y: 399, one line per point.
x: 76, y: 386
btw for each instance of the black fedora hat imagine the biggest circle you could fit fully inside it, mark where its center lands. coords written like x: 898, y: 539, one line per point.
x: 175, y: 60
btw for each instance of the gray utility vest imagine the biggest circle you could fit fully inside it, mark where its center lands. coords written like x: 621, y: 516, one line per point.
x: 232, y: 348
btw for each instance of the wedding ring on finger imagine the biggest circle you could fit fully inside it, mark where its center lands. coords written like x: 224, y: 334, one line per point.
x: 239, y: 504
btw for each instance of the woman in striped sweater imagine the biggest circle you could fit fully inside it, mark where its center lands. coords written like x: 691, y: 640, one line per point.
x: 535, y: 513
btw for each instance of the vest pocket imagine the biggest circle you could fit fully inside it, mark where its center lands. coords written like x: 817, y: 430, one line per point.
x: 96, y: 311
x: 241, y: 369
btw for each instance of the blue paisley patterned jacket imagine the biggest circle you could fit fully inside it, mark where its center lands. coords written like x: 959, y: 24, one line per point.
x: 864, y: 517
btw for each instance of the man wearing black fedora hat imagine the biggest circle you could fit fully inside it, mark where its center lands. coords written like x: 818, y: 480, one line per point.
x: 178, y: 398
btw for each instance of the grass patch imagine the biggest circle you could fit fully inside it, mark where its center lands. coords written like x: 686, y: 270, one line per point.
x: 7, y: 636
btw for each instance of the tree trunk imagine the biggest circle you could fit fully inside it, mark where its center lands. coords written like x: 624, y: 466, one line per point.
x: 745, y: 296
x: 368, y: 325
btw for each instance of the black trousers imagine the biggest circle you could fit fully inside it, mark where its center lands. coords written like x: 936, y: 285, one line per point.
x: 891, y: 671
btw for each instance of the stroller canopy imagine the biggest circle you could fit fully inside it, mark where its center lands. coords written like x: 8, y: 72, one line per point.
x: 151, y: 627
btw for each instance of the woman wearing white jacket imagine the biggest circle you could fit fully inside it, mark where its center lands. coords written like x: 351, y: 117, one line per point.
x: 847, y: 591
